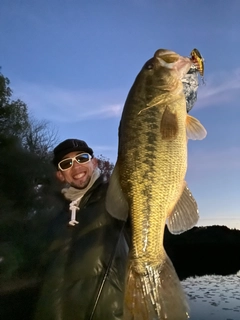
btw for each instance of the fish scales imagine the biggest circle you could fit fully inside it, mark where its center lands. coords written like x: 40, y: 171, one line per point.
x: 149, y: 165
x: 148, y: 181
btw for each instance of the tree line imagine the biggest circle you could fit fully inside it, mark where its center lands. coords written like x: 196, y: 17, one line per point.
x: 204, y: 251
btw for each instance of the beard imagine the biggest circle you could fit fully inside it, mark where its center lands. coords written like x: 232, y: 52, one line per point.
x: 81, y: 184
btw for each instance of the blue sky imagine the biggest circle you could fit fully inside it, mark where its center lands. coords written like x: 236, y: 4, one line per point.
x: 73, y: 63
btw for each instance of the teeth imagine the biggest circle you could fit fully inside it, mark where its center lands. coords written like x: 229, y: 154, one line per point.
x: 80, y: 175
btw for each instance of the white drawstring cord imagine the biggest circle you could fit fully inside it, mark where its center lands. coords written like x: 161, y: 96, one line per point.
x: 73, y: 207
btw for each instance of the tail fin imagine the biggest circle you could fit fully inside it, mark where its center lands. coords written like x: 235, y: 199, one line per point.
x: 155, y: 295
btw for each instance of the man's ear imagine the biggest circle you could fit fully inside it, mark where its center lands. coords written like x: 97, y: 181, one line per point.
x: 60, y: 176
x: 95, y: 162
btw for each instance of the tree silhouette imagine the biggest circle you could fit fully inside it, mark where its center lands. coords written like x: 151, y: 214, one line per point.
x: 105, y: 166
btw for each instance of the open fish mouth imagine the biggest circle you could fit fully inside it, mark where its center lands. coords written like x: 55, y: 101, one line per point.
x: 167, y: 56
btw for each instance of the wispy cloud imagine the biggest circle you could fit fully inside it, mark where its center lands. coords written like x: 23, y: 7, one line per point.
x: 219, y: 88
x: 65, y: 105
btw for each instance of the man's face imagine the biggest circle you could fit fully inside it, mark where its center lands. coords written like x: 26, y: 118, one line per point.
x: 79, y: 175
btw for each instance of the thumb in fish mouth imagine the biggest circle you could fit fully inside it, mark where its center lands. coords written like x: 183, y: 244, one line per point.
x: 190, y: 87
x: 189, y: 80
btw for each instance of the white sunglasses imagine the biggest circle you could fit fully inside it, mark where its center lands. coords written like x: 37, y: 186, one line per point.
x: 67, y: 163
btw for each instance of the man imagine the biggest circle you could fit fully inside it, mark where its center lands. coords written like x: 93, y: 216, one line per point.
x: 87, y: 259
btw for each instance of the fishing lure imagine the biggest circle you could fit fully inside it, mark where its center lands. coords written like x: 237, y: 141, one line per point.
x: 198, y: 61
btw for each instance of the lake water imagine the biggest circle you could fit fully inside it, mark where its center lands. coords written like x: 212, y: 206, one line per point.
x: 213, y: 297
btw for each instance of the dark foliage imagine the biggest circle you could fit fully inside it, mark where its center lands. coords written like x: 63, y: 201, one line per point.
x: 27, y: 188
x: 105, y: 166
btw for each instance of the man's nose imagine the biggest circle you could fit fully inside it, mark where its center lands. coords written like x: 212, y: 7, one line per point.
x: 76, y: 163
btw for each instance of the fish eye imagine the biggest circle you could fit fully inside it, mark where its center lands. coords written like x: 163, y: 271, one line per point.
x: 149, y: 66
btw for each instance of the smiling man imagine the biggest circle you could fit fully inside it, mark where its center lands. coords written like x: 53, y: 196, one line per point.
x: 88, y: 254
x: 75, y: 163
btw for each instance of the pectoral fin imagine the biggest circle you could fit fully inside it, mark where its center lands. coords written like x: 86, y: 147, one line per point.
x: 169, y: 125
x: 185, y: 213
x: 116, y: 203
x: 195, y: 130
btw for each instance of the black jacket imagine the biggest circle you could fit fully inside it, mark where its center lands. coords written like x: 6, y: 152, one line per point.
x: 87, y: 264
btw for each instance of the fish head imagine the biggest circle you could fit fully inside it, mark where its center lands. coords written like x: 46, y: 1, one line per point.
x: 159, y: 76
x: 163, y: 67
x: 173, y: 61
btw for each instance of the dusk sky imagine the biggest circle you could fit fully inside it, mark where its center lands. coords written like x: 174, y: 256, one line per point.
x: 73, y: 63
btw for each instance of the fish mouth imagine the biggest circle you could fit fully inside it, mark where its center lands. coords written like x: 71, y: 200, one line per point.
x: 171, y: 60
x: 167, y: 55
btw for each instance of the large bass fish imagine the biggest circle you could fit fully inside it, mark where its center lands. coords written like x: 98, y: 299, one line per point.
x: 148, y: 183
